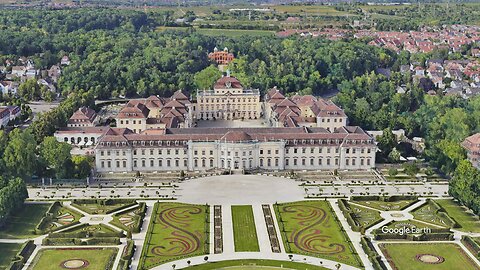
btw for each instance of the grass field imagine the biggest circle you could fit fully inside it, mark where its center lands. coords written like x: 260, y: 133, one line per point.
x: 468, y: 221
x: 53, y: 259
x: 404, y: 256
x: 176, y: 231
x: 7, y: 252
x: 244, y: 231
x: 310, y: 228
x: 385, y: 206
x: 255, y: 264
x: 23, y: 222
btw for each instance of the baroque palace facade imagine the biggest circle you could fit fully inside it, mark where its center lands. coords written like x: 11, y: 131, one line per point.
x: 302, y: 133
x: 192, y: 149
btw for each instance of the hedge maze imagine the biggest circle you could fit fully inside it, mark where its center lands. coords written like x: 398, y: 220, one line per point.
x: 176, y: 231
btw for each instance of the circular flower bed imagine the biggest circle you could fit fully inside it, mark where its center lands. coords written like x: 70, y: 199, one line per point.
x: 429, y: 258
x: 74, y: 264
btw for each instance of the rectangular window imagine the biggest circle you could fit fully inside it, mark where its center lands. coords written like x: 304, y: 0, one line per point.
x: 168, y: 163
x: 177, y: 163
x: 151, y: 163
x: 160, y: 163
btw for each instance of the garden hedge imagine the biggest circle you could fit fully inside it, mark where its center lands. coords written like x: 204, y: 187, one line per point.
x: 22, y: 256
x: 79, y: 242
x: 472, y: 245
x: 127, y: 256
x: 372, y: 254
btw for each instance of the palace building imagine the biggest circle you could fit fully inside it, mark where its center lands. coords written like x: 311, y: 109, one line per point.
x: 221, y: 57
x: 306, y: 111
x: 228, y: 100
x: 159, y: 134
x: 472, y: 146
x: 191, y: 149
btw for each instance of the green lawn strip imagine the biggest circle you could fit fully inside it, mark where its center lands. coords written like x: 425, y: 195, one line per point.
x: 7, y: 253
x: 311, y: 228
x: 386, y: 206
x: 364, y: 216
x: 244, y: 230
x: 22, y: 223
x: 52, y: 259
x: 250, y: 264
x: 468, y: 221
x: 428, y: 213
x: 176, y: 231
x: 403, y: 256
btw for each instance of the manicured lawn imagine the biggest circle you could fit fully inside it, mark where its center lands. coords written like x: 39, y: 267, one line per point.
x: 53, y: 259
x: 7, y: 252
x: 385, y: 206
x: 310, y: 228
x: 176, y: 231
x: 364, y: 216
x: 428, y: 213
x: 23, y: 222
x: 404, y: 256
x: 244, y: 231
x: 468, y: 221
x: 255, y: 264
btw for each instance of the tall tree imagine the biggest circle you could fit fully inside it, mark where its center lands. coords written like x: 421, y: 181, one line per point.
x: 19, y: 157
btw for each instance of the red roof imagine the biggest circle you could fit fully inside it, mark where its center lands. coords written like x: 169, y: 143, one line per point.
x: 223, y: 82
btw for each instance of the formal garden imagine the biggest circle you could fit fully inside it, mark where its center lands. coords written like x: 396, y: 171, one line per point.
x: 358, y: 217
x: 130, y: 219
x: 244, y: 230
x: 312, y: 228
x: 432, y: 213
x: 74, y: 258
x: 383, y: 203
x: 426, y: 256
x: 176, y: 231
x: 102, y: 207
